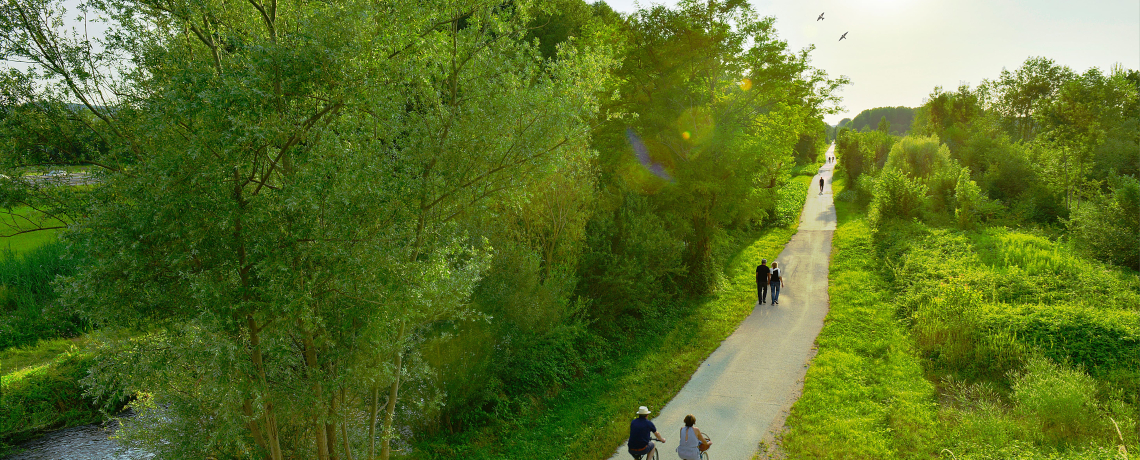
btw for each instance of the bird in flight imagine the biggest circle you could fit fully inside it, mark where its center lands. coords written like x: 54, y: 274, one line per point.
x: 844, y: 36
x: 820, y: 18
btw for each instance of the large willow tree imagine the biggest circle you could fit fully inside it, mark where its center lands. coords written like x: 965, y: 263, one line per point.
x: 278, y: 219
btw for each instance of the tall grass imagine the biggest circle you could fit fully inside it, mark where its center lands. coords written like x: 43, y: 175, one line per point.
x: 27, y: 296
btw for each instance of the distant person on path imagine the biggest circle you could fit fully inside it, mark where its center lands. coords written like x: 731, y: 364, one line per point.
x: 820, y: 192
x: 762, y: 272
x: 639, y: 429
x: 777, y: 282
x: 690, y: 441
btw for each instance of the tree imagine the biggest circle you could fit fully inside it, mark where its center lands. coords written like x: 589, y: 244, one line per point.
x: 1017, y: 96
x: 1074, y: 125
x: 719, y: 104
x: 282, y: 216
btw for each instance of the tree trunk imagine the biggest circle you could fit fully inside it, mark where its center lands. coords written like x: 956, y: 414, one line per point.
x: 330, y: 427
x: 247, y: 409
x: 322, y: 438
x: 344, y: 425
x: 259, y: 364
x: 374, y: 411
x: 390, y: 411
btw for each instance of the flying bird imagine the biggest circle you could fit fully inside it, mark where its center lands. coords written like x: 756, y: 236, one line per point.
x: 820, y: 18
x: 844, y: 36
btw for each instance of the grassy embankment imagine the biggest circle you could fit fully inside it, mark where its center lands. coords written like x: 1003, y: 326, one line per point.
x: 982, y: 344
x: 590, y: 419
x: 39, y: 380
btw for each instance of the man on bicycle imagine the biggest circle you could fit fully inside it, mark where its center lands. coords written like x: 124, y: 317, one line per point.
x: 639, y: 429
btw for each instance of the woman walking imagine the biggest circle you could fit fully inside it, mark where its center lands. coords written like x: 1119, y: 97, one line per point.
x: 776, y: 282
x: 692, y: 441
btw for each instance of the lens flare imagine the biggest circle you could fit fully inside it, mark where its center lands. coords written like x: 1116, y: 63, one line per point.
x: 642, y: 155
x: 685, y: 135
x: 746, y: 84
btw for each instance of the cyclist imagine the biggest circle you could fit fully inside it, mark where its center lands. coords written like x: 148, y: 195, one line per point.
x: 691, y: 442
x: 639, y: 429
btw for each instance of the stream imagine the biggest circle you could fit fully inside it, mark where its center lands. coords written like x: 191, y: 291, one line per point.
x: 86, y: 442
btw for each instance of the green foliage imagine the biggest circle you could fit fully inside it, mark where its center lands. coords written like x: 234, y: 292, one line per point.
x: 592, y: 414
x: 1061, y: 400
x: 43, y: 132
x: 1033, y: 350
x: 28, y: 310
x: 48, y: 396
x: 631, y: 263
x: 948, y: 115
x: 792, y: 195
x: 862, y: 153
x: 719, y: 104
x: 812, y: 143
x: 1105, y: 226
x: 897, y: 196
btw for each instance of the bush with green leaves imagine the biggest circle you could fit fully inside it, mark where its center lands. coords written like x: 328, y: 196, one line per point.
x: 972, y: 206
x: 1106, y: 226
x: 897, y: 196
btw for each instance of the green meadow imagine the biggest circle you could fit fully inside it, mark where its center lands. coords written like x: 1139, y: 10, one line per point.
x: 984, y: 344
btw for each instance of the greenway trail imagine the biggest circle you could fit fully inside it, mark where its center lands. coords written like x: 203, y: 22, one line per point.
x: 744, y: 389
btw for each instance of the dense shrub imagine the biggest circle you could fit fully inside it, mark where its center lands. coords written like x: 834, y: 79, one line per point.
x: 630, y: 262
x: 1107, y: 225
x: 971, y: 206
x: 862, y: 153
x: 897, y: 196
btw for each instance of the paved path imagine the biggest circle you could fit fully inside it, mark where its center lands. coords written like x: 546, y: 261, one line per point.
x: 744, y: 389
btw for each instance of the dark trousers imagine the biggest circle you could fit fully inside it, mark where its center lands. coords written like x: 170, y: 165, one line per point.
x: 761, y: 291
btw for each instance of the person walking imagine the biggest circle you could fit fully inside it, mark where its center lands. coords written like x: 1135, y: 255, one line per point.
x: 821, y: 184
x: 691, y: 442
x: 762, y: 272
x: 776, y: 281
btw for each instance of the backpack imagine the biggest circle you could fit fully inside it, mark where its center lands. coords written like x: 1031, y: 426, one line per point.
x: 775, y: 279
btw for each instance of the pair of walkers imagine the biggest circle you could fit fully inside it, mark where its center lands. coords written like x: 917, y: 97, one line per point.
x: 690, y: 443
x: 769, y: 279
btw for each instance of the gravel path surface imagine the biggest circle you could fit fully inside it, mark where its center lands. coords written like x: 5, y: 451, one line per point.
x: 740, y: 395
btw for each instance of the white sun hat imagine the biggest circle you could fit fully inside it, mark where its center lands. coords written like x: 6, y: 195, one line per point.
x: 642, y: 410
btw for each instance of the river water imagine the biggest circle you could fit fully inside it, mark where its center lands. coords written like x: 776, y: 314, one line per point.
x: 87, y: 442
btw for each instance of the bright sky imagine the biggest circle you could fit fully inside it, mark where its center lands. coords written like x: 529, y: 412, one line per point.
x: 897, y: 51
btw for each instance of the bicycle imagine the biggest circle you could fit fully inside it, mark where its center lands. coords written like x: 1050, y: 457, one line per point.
x: 705, y: 453
x: 656, y: 453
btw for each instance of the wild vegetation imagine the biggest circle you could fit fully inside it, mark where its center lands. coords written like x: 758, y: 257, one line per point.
x: 976, y: 313
x: 337, y: 230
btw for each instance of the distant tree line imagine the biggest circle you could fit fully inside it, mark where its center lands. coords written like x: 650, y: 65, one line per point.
x: 898, y: 120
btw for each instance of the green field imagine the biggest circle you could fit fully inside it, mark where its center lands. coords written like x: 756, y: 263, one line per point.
x: 17, y: 220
